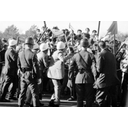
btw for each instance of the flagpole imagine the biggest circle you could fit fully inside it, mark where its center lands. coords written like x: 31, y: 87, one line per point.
x: 45, y: 24
x: 99, y: 28
x: 114, y: 45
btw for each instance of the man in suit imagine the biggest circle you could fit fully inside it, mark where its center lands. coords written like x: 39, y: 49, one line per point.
x: 106, y: 68
x: 29, y: 70
x: 84, y: 78
x: 10, y: 71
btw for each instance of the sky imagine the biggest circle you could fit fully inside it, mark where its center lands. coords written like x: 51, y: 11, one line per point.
x: 25, y: 25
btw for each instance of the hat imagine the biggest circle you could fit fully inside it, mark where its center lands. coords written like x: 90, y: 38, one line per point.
x: 43, y: 47
x: 60, y: 45
x: 84, y: 42
x: 12, y: 42
x: 29, y: 41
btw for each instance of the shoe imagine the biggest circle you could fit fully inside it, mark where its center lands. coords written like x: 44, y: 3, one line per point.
x: 13, y: 98
x: 56, y: 105
x: 70, y: 99
x: 28, y: 104
x: 51, y: 103
x: 41, y: 104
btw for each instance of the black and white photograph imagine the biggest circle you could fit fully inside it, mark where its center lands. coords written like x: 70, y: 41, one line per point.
x: 64, y: 64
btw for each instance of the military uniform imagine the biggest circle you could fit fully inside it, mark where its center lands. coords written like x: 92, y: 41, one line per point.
x: 10, y: 71
x: 28, y: 66
x: 83, y: 61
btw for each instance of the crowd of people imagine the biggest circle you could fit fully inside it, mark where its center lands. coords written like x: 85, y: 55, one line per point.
x: 80, y: 63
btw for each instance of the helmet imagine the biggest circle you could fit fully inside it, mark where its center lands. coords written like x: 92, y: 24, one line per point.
x: 43, y: 47
x: 12, y: 42
x: 36, y: 46
x: 84, y: 43
x: 60, y: 45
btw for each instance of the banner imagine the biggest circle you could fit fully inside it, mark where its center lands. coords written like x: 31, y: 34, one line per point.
x: 113, y: 28
x: 70, y: 27
x: 57, y: 33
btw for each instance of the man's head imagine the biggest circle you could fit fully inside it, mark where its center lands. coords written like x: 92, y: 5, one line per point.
x: 61, y: 46
x: 87, y: 30
x: 12, y: 43
x: 84, y: 43
x: 94, y: 32
x: 29, y: 42
x: 102, y: 45
x: 79, y: 32
x: 44, y: 47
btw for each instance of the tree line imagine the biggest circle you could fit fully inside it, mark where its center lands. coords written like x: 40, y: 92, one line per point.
x: 13, y: 32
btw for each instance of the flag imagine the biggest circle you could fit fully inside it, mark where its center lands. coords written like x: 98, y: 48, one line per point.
x: 113, y: 28
x: 57, y: 33
x: 70, y: 27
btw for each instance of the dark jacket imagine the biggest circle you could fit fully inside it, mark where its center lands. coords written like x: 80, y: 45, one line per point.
x: 2, y: 56
x: 85, y: 72
x: 106, y: 67
x: 10, y: 62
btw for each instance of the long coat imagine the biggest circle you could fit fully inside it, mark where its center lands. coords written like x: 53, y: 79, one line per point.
x: 86, y: 76
x: 106, y: 67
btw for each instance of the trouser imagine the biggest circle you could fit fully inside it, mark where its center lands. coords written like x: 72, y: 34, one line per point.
x: 0, y: 69
x: 43, y: 86
x: 8, y: 81
x: 84, y: 92
x: 102, y: 95
x: 71, y: 85
x: 57, y: 89
x: 124, y: 90
x: 113, y: 96
x: 64, y: 82
x: 28, y: 96
x: 34, y: 91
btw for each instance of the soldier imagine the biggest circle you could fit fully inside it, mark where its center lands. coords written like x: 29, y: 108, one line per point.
x: 29, y: 73
x: 10, y: 71
x: 84, y: 78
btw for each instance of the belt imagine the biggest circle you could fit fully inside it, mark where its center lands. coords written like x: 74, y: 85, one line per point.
x: 83, y: 70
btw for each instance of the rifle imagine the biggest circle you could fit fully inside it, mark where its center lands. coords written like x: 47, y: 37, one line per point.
x: 45, y: 29
x: 119, y: 49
